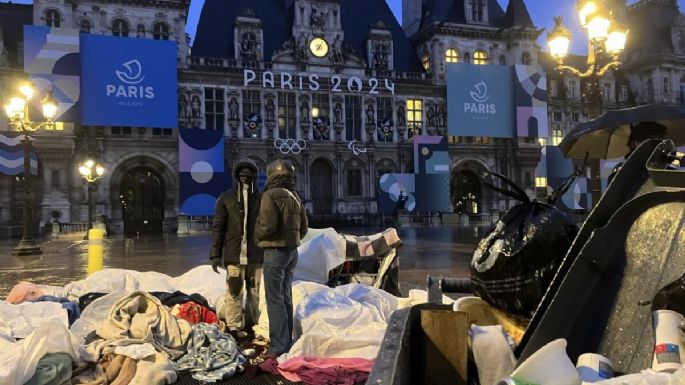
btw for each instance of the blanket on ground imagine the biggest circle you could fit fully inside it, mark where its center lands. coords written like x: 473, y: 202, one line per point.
x: 141, y: 316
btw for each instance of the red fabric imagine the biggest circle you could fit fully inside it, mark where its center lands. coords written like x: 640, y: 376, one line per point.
x: 326, y: 371
x: 270, y: 365
x: 194, y: 313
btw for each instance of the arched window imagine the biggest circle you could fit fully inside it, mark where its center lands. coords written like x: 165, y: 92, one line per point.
x: 426, y: 62
x: 84, y: 26
x: 452, y: 55
x: 480, y: 58
x: 52, y: 18
x: 681, y: 40
x: 161, y: 31
x: 502, y: 60
x: 140, y: 30
x: 525, y: 58
x: 120, y: 28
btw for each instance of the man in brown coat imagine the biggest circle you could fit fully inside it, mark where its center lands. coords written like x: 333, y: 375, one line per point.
x: 281, y: 224
x: 233, y: 238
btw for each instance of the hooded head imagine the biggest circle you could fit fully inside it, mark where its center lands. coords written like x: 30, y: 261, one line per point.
x: 245, y: 168
x: 280, y: 173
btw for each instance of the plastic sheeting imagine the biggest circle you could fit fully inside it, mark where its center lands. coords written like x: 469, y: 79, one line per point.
x: 20, y: 320
x: 321, y: 251
x: 201, y: 280
x: 342, y: 322
x: 18, y: 360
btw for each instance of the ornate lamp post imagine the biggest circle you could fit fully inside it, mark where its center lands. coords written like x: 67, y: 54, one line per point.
x: 606, y: 42
x: 18, y: 113
x: 91, y: 172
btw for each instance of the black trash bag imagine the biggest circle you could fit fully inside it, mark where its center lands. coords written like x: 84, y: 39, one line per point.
x: 671, y: 297
x: 515, y: 262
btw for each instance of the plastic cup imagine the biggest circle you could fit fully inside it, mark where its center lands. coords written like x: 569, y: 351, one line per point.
x: 594, y: 368
x: 548, y: 366
x: 668, y: 346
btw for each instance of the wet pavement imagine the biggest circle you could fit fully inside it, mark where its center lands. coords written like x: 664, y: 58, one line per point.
x: 436, y: 251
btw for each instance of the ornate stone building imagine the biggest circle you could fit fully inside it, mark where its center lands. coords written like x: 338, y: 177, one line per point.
x: 338, y: 87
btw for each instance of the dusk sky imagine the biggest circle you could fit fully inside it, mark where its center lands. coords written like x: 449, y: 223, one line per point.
x: 542, y: 12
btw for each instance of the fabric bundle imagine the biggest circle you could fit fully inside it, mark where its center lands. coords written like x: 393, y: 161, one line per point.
x: 212, y: 355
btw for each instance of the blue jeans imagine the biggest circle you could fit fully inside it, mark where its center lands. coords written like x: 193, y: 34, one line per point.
x: 279, y: 265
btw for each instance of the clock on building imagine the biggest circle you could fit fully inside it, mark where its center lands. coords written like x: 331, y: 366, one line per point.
x: 318, y: 47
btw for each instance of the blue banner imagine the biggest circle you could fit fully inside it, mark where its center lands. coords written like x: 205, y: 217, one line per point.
x: 128, y: 82
x: 480, y: 100
x: 201, y: 170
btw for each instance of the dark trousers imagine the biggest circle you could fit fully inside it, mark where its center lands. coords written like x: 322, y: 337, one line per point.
x: 279, y: 265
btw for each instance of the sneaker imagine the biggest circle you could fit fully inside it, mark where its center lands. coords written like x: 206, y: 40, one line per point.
x: 238, y: 334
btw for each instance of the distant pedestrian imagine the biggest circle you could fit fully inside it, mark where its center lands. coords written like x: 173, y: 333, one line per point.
x: 281, y: 224
x: 233, y: 238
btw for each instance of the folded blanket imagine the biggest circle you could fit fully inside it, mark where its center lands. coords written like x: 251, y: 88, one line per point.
x: 141, y: 316
x: 372, y: 245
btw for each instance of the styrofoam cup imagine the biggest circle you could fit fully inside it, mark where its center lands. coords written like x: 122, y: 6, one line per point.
x: 593, y: 368
x: 668, y: 345
x: 548, y: 366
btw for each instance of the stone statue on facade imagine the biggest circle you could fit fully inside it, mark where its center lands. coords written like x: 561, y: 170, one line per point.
x: 381, y: 56
x: 430, y: 115
x: 300, y: 49
x: 196, y: 107
x: 441, y: 116
x: 316, y: 19
x: 337, y: 113
x: 336, y: 50
x: 270, y: 110
x: 304, y: 112
x: 248, y: 46
x: 183, y: 107
x: 233, y: 109
x: 369, y: 114
x: 401, y: 115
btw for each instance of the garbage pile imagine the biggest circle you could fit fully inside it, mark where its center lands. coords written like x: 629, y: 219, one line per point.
x: 615, y: 289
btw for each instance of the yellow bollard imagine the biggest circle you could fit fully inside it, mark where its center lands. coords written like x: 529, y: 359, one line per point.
x: 95, y: 258
x: 95, y: 251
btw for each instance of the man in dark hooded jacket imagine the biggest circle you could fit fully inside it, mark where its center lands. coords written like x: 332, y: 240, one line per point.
x: 281, y: 224
x: 233, y: 238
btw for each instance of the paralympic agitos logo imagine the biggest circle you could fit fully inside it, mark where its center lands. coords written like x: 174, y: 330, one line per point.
x: 131, y: 77
x: 480, y: 96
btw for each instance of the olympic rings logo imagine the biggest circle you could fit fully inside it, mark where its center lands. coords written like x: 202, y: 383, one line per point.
x: 292, y: 146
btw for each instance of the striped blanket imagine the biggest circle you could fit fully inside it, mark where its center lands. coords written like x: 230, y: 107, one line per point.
x: 371, y: 245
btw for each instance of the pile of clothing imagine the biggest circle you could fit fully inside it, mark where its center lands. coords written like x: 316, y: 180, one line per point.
x: 106, y: 330
x: 131, y: 327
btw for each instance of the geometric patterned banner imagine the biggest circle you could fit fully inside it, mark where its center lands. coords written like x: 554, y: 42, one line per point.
x: 530, y: 95
x: 201, y: 170
x: 52, y: 61
x: 12, y: 154
x: 432, y: 168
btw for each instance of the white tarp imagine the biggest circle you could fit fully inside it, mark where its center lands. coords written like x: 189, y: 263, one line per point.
x: 18, y: 321
x: 18, y: 360
x: 321, y: 251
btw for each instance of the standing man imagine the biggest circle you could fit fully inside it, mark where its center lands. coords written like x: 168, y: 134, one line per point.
x: 281, y: 224
x: 233, y: 237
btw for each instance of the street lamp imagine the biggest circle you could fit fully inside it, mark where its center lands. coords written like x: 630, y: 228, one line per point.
x: 91, y: 171
x: 17, y: 111
x: 606, y: 42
